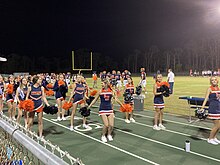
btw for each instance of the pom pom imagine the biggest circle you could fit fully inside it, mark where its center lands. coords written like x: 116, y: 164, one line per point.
x: 126, y: 108
x: 81, y: 102
x: 28, y: 105
x: 88, y: 101
x: 49, y: 86
x: 53, y: 110
x: 93, y: 93
x: 46, y: 109
x: 60, y: 82
x: 49, y: 93
x: 50, y: 109
x: 84, y: 111
x: 67, y: 105
x: 165, y: 83
x: 10, y: 89
x: 21, y: 105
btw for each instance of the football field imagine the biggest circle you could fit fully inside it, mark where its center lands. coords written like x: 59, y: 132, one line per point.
x: 137, y: 143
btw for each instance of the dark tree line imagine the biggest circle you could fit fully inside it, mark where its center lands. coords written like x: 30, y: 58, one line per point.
x: 197, y: 55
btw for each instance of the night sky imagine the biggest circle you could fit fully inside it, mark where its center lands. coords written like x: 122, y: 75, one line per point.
x: 113, y: 27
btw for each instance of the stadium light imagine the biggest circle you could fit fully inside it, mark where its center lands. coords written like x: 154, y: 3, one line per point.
x: 3, y: 59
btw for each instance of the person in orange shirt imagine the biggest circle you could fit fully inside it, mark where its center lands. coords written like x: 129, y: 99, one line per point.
x: 95, y: 78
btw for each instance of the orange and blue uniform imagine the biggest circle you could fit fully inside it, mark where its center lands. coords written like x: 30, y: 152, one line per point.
x: 36, y: 96
x: 214, y: 103
x: 78, y: 93
x: 158, y: 99
x: 105, y: 107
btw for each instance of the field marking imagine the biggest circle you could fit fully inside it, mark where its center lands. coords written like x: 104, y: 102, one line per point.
x: 136, y: 135
x: 150, y: 126
x: 168, y: 145
x: 171, y: 121
x: 162, y: 143
x: 107, y: 144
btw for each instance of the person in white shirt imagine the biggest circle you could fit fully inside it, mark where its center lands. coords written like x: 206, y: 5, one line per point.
x: 170, y: 80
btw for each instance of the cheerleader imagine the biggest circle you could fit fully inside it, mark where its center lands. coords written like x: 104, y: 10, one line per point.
x: 60, y: 88
x: 78, y: 94
x: 20, y: 96
x: 158, y: 104
x: 143, y: 79
x: 2, y: 84
x: 106, y: 110
x: 10, y: 98
x: 118, y: 79
x: 129, y: 89
x: 36, y: 93
x: 213, y: 96
x: 95, y: 78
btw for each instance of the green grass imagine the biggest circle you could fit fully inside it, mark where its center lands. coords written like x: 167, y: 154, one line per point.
x: 184, y: 86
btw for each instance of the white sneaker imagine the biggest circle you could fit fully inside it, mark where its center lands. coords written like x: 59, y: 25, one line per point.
x: 110, y: 137
x: 14, y: 118
x: 132, y: 120
x: 212, y: 141
x: 59, y: 119
x: 63, y: 118
x: 155, y: 127
x: 71, y: 128
x: 145, y: 92
x: 127, y: 121
x: 162, y: 127
x: 104, y: 139
x: 85, y: 126
x: 216, y: 140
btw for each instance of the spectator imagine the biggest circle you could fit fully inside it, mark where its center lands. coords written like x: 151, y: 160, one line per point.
x: 170, y: 80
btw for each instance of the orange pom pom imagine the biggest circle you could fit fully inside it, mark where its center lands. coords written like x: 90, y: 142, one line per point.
x: 165, y: 83
x: 10, y: 88
x: 21, y: 105
x: 93, y: 93
x: 49, y: 85
x: 67, y: 105
x: 81, y: 102
x: 126, y: 108
x: 28, y: 105
x: 49, y: 93
x: 60, y: 82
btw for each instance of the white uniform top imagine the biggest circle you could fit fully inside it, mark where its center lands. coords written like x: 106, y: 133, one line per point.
x: 170, y: 77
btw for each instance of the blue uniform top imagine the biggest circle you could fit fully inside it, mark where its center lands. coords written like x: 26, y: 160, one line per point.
x: 60, y: 91
x: 105, y: 105
x: 79, y: 92
x: 1, y: 88
x: 158, y: 99
x: 118, y: 77
x: 36, y: 96
x: 214, y: 101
